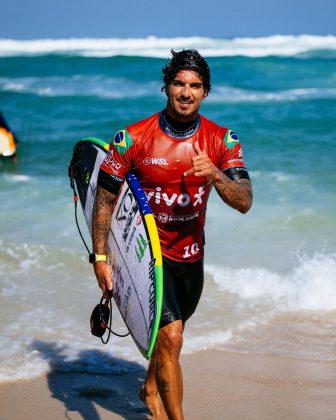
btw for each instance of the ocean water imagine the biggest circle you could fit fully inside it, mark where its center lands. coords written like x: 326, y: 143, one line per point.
x: 270, y: 274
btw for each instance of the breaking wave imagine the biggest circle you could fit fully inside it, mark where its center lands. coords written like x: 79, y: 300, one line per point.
x: 275, y: 45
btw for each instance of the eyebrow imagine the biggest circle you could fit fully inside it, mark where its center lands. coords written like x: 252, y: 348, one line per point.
x: 194, y: 84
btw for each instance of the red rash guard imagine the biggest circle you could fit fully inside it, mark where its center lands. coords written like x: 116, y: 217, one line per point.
x: 159, y: 161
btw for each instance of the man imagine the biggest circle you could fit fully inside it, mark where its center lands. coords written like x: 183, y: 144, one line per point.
x: 178, y: 156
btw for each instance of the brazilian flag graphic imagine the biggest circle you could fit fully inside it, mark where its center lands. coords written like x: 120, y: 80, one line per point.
x: 231, y: 139
x: 122, y: 141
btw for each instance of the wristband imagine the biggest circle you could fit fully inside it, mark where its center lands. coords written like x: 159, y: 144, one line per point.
x: 93, y: 258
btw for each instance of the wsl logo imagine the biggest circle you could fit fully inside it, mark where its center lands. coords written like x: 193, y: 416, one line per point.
x: 155, y: 161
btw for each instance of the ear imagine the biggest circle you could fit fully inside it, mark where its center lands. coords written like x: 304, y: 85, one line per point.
x: 205, y: 94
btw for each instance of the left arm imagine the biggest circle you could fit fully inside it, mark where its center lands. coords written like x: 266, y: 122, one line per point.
x: 235, y: 193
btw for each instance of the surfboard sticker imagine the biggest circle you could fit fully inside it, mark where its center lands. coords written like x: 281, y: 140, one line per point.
x: 133, y: 242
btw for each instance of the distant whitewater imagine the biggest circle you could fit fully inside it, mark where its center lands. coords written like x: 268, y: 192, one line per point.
x: 275, y: 45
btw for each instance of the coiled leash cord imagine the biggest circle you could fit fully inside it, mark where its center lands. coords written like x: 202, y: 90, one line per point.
x: 101, y: 317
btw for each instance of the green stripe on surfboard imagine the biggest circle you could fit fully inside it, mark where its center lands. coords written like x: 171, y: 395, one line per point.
x: 97, y: 141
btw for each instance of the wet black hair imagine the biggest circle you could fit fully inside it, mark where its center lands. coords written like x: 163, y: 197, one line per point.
x: 186, y: 60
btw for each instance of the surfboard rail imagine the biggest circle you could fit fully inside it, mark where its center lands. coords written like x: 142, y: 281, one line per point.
x: 156, y: 251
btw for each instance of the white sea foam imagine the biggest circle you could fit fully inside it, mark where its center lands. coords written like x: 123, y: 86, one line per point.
x: 119, y: 88
x: 278, y: 45
x: 228, y: 94
x: 47, y: 297
x: 95, y: 86
x: 205, y: 341
x: 16, y: 178
x: 311, y: 286
x: 26, y: 358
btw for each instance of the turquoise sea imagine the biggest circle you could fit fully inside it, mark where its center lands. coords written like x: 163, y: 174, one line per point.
x: 270, y: 274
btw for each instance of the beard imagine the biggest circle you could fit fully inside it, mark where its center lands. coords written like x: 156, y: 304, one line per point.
x: 182, y: 115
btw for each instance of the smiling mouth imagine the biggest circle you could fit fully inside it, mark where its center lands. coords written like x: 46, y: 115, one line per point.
x: 183, y: 102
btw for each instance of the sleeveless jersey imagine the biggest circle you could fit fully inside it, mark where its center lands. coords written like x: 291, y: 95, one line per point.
x: 159, y: 161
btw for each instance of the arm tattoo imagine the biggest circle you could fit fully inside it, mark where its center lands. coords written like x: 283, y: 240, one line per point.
x: 237, y: 194
x: 101, y: 219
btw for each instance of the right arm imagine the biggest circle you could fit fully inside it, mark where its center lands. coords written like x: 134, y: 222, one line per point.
x: 110, y: 178
x: 101, y: 220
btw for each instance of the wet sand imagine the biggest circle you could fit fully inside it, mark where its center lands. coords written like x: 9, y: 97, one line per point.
x: 218, y: 385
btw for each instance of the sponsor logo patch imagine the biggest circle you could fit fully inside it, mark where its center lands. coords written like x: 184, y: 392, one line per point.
x: 182, y: 200
x: 155, y: 161
x: 109, y: 160
x: 165, y: 218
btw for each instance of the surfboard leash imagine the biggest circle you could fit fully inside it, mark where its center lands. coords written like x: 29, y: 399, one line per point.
x: 101, y: 317
x: 75, y: 198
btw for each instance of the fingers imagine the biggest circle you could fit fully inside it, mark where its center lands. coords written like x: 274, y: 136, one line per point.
x: 189, y: 172
x: 200, y: 162
x: 104, y: 276
x: 198, y: 170
x: 197, y: 148
x: 108, y: 278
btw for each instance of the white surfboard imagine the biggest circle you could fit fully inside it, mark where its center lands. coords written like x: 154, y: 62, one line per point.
x: 133, y: 242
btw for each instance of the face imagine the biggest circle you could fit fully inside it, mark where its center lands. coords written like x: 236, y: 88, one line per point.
x: 185, y: 94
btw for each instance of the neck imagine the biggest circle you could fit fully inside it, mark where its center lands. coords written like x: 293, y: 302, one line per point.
x: 180, y: 119
x: 180, y: 124
x: 176, y: 128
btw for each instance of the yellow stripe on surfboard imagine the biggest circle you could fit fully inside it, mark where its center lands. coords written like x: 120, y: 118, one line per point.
x: 153, y: 234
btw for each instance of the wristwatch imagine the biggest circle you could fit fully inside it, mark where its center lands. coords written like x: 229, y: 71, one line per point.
x: 93, y: 258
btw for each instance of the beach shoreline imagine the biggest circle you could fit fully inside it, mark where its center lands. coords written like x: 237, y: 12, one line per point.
x: 217, y: 385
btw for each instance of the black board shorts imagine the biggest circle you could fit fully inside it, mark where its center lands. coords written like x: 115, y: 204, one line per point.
x: 182, y: 289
